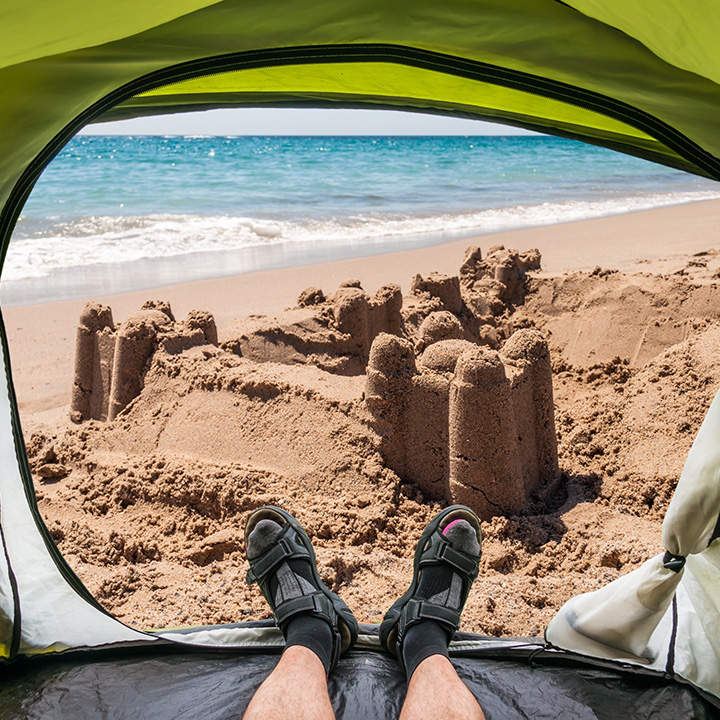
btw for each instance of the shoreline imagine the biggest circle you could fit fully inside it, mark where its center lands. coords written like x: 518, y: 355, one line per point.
x: 153, y: 273
x: 42, y: 336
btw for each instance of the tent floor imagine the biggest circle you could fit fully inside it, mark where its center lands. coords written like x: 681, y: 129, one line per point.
x: 366, y: 685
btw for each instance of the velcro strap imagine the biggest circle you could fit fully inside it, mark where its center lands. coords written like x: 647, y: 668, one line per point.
x: 417, y: 610
x: 316, y: 603
x: 442, y: 550
x: 261, y: 566
x: 285, y: 610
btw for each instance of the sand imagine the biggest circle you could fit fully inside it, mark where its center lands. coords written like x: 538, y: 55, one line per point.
x: 148, y: 508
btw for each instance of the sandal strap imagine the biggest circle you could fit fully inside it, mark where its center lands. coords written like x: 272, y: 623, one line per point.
x: 318, y: 605
x: 440, y: 550
x: 315, y: 603
x: 284, y: 549
x: 418, y: 610
x: 415, y: 611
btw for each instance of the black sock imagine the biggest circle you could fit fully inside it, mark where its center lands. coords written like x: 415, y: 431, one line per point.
x: 313, y: 633
x: 293, y: 579
x: 441, y: 585
x: 421, y: 641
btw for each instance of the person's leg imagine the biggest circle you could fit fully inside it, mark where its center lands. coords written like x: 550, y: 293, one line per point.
x: 317, y: 625
x: 296, y: 688
x: 419, y: 626
x: 436, y: 692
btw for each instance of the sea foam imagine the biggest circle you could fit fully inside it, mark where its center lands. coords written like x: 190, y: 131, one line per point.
x: 43, y: 246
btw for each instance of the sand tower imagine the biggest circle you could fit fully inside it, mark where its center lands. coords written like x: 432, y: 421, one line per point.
x: 467, y: 424
x: 111, y: 362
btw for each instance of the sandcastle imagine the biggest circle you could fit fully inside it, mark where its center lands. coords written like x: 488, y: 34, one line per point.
x: 464, y: 417
x: 333, y: 333
x: 465, y: 423
x: 110, y: 362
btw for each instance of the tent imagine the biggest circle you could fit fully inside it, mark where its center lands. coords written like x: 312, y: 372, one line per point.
x: 617, y: 73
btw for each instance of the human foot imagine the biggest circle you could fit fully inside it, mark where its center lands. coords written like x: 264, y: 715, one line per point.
x: 282, y: 562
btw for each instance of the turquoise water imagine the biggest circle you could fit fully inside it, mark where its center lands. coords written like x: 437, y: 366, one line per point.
x: 230, y: 201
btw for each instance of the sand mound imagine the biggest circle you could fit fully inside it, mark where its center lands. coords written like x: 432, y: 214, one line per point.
x: 637, y: 316
x: 148, y: 508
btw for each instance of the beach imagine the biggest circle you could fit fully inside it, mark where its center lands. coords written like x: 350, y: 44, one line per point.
x: 151, y: 508
x: 42, y: 336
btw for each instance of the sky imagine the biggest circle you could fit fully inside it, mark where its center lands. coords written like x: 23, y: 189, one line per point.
x: 294, y: 121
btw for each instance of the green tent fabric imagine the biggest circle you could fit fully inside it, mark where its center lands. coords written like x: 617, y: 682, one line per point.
x: 535, y: 63
x: 634, y: 77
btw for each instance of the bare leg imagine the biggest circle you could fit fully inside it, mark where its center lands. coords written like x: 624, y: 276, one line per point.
x: 296, y: 688
x: 437, y: 693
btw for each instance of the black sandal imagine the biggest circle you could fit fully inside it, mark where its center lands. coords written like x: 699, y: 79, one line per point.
x: 293, y: 542
x: 433, y: 549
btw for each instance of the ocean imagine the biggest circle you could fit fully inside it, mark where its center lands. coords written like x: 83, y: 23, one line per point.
x: 115, y: 213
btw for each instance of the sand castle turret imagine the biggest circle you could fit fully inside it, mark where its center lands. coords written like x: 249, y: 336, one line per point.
x: 94, y: 350
x: 385, y: 312
x: 427, y: 418
x: 439, y: 326
x: 446, y: 288
x: 492, y: 285
x: 390, y: 372
x: 484, y: 469
x: 204, y: 322
x: 351, y: 310
x: 475, y: 427
x: 527, y: 357
x: 111, y: 362
x: 362, y: 318
x: 135, y: 342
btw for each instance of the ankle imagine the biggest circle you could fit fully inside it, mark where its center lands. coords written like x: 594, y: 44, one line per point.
x: 301, y: 660
x: 424, y: 640
x: 435, y: 666
x: 311, y: 633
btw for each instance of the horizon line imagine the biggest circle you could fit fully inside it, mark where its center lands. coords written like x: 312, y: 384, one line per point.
x: 307, y: 135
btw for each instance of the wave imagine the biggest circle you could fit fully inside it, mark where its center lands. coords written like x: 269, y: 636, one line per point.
x: 42, y: 246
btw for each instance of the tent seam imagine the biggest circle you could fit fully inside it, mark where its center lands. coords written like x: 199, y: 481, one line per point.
x: 17, y: 614
x: 670, y: 665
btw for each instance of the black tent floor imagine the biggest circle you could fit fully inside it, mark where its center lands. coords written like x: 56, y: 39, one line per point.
x: 367, y: 684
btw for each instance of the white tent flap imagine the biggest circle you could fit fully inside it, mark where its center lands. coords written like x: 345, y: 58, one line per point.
x: 625, y: 613
x: 694, y: 508
x: 53, y: 615
x: 634, y: 618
